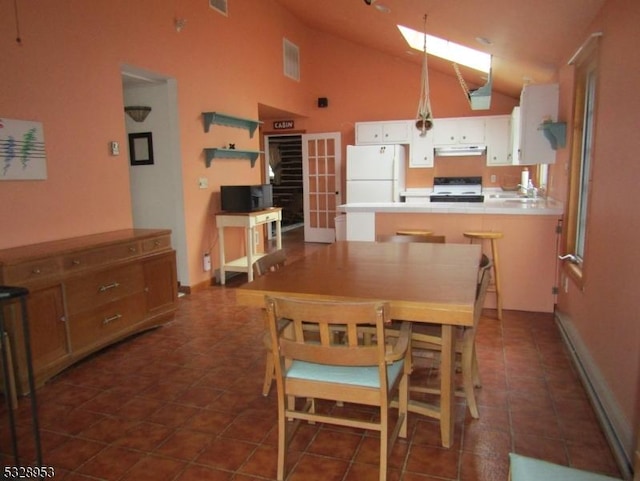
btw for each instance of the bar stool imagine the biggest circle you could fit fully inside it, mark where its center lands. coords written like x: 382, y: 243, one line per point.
x: 414, y: 232
x: 493, y: 237
x: 18, y: 295
x: 11, y: 392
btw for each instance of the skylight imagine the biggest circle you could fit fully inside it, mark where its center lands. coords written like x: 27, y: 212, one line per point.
x: 454, y: 52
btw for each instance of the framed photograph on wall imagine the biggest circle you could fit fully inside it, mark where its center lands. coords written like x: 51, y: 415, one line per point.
x: 141, y: 148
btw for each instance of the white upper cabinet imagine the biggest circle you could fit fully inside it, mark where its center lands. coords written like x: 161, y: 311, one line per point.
x: 421, y: 149
x: 538, y: 103
x: 459, y: 130
x: 386, y: 132
x: 497, y: 135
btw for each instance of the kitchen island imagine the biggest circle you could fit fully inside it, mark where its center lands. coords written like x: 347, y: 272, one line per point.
x: 528, y: 251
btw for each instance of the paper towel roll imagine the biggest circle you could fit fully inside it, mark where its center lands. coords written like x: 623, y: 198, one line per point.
x: 524, y: 178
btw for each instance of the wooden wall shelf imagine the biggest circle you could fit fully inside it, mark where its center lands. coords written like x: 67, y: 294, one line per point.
x: 218, y: 153
x: 210, y: 118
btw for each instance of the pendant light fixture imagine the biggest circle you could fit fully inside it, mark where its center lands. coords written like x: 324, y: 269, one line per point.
x: 138, y: 112
x: 424, y: 116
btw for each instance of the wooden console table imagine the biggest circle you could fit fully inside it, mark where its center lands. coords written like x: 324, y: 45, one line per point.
x: 86, y: 293
x: 248, y: 220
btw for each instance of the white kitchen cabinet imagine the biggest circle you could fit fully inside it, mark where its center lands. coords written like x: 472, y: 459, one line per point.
x: 459, y: 130
x: 537, y: 104
x: 497, y: 136
x: 385, y: 132
x: 421, y: 149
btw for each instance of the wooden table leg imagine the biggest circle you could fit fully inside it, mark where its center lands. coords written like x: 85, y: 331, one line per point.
x: 447, y: 405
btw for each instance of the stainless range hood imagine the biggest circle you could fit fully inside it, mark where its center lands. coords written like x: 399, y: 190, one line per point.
x: 460, y: 150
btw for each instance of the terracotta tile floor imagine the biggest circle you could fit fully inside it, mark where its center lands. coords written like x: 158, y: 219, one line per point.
x: 183, y: 402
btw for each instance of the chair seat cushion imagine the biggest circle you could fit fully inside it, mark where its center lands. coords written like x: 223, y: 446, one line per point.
x: 528, y: 469
x: 366, y: 376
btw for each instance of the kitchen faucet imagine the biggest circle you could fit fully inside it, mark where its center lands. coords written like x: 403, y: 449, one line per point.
x: 528, y: 190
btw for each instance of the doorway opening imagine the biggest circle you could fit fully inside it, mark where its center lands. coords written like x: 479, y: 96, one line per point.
x: 284, y: 165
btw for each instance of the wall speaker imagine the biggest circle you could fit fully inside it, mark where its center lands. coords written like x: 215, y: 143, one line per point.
x: 323, y: 102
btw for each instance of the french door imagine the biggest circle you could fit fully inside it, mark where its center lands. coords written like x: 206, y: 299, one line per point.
x: 321, y: 173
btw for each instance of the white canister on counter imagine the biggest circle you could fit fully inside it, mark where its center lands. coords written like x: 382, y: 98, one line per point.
x: 524, y: 178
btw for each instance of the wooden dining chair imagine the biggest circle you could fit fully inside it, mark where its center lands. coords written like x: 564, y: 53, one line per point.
x: 269, y: 263
x: 434, y: 239
x: 315, y: 367
x: 426, y: 342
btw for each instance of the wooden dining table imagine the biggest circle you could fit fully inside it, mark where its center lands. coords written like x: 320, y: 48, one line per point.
x: 423, y: 282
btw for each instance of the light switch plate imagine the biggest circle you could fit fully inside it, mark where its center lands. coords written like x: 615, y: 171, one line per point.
x: 115, y: 147
x: 203, y: 183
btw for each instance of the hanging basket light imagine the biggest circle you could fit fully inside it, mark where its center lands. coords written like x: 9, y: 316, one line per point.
x: 138, y: 112
x: 424, y: 116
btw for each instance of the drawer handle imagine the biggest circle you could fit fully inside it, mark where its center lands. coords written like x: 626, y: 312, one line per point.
x: 132, y: 249
x: 157, y: 243
x: 36, y: 271
x: 75, y: 262
x: 109, y: 286
x: 109, y: 320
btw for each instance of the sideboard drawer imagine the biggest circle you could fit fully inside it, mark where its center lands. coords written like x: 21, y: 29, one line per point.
x: 157, y: 243
x: 106, y: 321
x: 98, y: 257
x: 20, y: 274
x: 102, y: 287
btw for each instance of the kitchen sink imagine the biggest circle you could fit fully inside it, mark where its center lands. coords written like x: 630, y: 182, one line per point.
x: 504, y: 195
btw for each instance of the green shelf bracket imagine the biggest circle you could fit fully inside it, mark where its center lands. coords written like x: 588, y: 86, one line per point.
x: 555, y: 133
x: 229, y: 121
x: 216, y: 153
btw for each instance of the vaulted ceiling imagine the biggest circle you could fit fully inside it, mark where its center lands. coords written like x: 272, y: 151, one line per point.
x: 529, y: 38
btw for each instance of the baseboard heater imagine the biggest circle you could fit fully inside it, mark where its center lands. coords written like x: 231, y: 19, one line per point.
x: 623, y: 458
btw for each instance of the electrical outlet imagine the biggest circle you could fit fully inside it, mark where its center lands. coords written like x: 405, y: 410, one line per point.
x: 203, y: 183
x: 256, y: 238
x: 493, y: 178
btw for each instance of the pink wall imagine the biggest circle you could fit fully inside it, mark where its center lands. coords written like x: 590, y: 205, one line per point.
x: 606, y: 313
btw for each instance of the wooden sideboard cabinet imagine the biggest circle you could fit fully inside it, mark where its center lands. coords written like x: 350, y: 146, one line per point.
x: 86, y: 293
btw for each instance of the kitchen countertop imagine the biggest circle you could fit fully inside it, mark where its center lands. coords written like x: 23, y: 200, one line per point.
x: 496, y: 202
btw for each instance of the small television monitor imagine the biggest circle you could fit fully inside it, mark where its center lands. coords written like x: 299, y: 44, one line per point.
x: 246, y: 198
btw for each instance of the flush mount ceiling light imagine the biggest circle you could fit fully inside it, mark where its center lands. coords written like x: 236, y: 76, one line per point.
x: 484, y: 41
x: 138, y: 112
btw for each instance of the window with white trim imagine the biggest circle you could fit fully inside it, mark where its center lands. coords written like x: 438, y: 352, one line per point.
x: 585, y: 96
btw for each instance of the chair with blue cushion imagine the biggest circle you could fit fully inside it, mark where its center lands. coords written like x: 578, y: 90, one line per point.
x: 311, y: 364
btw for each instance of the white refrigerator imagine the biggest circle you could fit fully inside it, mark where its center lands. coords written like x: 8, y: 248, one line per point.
x: 375, y: 173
